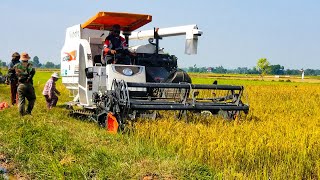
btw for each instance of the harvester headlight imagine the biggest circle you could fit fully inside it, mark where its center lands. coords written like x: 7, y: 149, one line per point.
x: 127, y: 71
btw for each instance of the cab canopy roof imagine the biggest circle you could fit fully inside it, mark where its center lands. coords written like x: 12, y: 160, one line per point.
x: 127, y: 21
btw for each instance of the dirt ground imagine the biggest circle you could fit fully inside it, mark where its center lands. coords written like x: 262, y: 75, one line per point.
x: 11, y: 171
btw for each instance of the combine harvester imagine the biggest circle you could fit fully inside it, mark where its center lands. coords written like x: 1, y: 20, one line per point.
x: 113, y: 94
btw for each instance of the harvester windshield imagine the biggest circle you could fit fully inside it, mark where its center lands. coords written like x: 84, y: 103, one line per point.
x: 127, y: 21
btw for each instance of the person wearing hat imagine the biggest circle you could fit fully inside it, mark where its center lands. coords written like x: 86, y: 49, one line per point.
x: 25, y: 73
x: 115, y: 48
x: 50, y: 91
x: 12, y: 78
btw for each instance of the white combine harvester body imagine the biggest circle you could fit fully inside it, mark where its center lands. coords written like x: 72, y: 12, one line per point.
x: 83, y: 45
x: 117, y: 93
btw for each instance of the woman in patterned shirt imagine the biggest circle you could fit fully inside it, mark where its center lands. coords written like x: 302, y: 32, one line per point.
x: 50, y: 91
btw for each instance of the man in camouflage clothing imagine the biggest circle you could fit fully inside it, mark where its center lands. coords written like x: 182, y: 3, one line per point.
x: 25, y: 73
x: 12, y: 79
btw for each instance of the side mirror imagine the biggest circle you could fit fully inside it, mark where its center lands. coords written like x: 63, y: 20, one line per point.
x: 89, y: 72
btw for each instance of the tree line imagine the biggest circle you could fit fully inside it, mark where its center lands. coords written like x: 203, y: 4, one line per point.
x: 263, y: 67
x: 36, y: 63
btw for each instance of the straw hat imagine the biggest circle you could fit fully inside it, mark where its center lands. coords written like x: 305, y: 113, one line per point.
x: 16, y: 54
x: 55, y: 75
x: 24, y: 56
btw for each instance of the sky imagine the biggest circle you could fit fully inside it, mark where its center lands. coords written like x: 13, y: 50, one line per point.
x: 235, y: 33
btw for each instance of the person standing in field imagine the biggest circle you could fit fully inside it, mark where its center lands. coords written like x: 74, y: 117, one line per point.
x: 25, y: 73
x: 12, y: 78
x: 50, y: 91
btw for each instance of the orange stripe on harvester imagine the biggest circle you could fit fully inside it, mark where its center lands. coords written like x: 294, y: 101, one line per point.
x: 71, y: 55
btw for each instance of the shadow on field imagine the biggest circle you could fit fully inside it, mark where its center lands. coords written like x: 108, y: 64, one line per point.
x: 62, y: 106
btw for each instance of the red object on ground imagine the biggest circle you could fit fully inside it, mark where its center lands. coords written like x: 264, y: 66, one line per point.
x: 3, y: 105
x: 112, y: 123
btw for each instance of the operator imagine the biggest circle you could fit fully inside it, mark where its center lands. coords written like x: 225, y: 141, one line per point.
x: 116, y: 48
x: 12, y: 78
x: 25, y: 73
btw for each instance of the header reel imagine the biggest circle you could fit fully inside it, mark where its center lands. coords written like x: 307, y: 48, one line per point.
x: 126, y: 105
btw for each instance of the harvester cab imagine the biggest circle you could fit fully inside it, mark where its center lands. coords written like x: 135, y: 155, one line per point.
x: 113, y: 94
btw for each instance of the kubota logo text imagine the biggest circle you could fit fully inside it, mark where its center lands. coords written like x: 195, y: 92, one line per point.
x: 70, y: 56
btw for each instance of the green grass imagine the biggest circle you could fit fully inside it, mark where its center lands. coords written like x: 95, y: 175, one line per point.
x: 270, y: 142
x: 51, y: 145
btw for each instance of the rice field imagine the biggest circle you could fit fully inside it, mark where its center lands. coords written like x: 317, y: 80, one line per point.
x: 278, y: 139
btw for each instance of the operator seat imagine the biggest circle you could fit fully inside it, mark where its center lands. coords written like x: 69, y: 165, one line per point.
x: 97, y: 59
